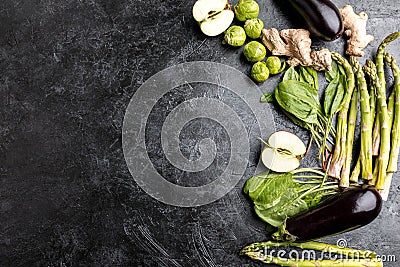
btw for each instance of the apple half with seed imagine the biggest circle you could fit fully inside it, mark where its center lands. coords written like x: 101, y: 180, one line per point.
x: 213, y: 16
x: 283, y: 152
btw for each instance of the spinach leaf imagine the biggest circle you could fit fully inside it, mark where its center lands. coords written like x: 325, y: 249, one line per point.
x: 278, y: 196
x: 309, y: 75
x: 265, y: 191
x: 288, y: 206
x: 253, y: 183
x: 335, y: 90
x: 299, y: 99
x: 330, y: 75
x: 330, y: 93
x: 316, y: 198
x: 291, y: 74
x: 340, y: 92
x: 274, y: 196
x: 268, y: 97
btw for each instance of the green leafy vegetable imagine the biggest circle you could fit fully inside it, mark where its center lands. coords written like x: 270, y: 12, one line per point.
x: 340, y: 92
x: 309, y: 75
x: 288, y: 206
x: 334, y: 94
x: 274, y: 184
x: 299, y: 99
x: 330, y: 75
x: 316, y: 197
x: 291, y: 74
x: 277, y: 197
x: 258, y: 182
x: 330, y: 93
x: 268, y: 97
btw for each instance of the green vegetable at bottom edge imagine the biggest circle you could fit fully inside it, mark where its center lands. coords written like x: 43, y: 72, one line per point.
x: 345, y: 257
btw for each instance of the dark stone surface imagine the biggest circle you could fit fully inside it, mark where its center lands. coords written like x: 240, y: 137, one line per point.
x: 67, y: 72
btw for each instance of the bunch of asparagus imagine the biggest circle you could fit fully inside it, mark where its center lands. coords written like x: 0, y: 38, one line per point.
x: 380, y: 121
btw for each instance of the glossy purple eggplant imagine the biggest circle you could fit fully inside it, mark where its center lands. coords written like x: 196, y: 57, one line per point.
x: 322, y: 17
x: 343, y: 212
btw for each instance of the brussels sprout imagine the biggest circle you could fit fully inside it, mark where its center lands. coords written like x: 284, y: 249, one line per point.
x: 234, y: 36
x: 246, y: 9
x: 254, y: 51
x: 259, y: 72
x: 274, y: 64
x: 253, y: 27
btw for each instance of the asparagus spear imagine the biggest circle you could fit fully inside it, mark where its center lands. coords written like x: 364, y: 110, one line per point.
x: 313, y: 245
x: 313, y: 263
x: 339, y: 153
x: 388, y: 181
x: 372, y: 101
x: 356, y: 171
x: 395, y: 146
x: 384, y: 148
x: 376, y: 136
x: 390, y: 105
x: 352, y: 257
x: 380, y: 55
x: 375, y: 121
x: 351, y: 122
x: 372, y: 182
x: 366, y: 122
x: 389, y: 175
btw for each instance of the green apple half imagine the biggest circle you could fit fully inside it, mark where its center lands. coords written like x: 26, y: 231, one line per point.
x: 213, y: 16
x: 283, y: 152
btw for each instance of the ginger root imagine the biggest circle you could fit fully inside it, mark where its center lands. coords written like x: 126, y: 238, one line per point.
x: 356, y: 29
x: 296, y: 44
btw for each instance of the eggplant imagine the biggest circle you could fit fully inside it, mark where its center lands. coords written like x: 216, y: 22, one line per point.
x: 343, y: 212
x: 322, y: 18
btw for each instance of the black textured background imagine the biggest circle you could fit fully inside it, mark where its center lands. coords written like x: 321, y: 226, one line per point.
x: 67, y: 72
